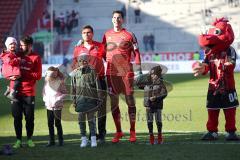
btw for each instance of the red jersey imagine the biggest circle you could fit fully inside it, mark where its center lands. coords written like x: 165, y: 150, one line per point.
x: 10, y: 65
x: 31, y: 71
x: 120, y: 47
x: 96, y: 52
x: 221, y: 76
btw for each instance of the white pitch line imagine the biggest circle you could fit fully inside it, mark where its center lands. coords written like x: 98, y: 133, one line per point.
x: 198, y: 143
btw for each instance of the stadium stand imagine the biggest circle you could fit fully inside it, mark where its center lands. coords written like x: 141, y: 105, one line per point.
x: 175, y: 23
x: 8, y: 13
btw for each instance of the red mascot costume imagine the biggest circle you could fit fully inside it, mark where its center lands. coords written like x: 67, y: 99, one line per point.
x: 219, y: 60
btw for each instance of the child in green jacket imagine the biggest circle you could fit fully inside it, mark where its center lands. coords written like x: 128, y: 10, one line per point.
x: 85, y: 87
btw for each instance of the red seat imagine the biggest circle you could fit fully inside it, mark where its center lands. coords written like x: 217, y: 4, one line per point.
x: 8, y: 12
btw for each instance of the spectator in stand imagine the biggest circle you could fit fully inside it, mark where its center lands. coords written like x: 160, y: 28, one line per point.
x: 236, y: 3
x: 31, y: 71
x: 77, y: 18
x: 68, y: 14
x: 201, y: 54
x: 74, y: 15
x: 145, y: 42
x: 123, y: 9
x: 151, y: 41
x: 39, y: 48
x: 54, y: 14
x: 137, y: 12
x: 208, y: 12
x: 233, y: 3
x: 230, y: 3
x: 57, y: 25
x: 62, y: 23
x: 69, y: 25
x: 196, y: 55
x: 46, y: 20
x: 48, y: 2
x: 55, y: 21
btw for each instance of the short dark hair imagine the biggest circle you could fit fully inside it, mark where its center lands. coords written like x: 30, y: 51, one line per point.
x: 88, y: 27
x: 157, y: 70
x: 27, y: 40
x: 118, y: 12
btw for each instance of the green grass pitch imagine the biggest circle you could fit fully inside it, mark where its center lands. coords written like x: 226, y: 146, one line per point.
x: 184, y: 120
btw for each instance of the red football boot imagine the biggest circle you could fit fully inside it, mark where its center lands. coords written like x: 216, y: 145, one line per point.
x: 160, y: 138
x: 151, y: 139
x: 117, y: 137
x: 132, y: 136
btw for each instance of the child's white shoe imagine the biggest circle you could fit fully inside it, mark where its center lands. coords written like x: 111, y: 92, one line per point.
x: 84, y: 142
x: 93, y: 141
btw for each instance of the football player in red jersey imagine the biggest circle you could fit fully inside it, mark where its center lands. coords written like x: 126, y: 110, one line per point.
x: 120, y: 46
x: 31, y: 72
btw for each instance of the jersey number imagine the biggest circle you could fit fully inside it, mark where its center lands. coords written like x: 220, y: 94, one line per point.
x: 232, y: 97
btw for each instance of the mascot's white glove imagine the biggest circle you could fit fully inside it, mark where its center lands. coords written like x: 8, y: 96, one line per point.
x: 198, y: 68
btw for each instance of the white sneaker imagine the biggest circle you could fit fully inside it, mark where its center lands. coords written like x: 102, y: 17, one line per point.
x: 93, y: 141
x: 84, y: 142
